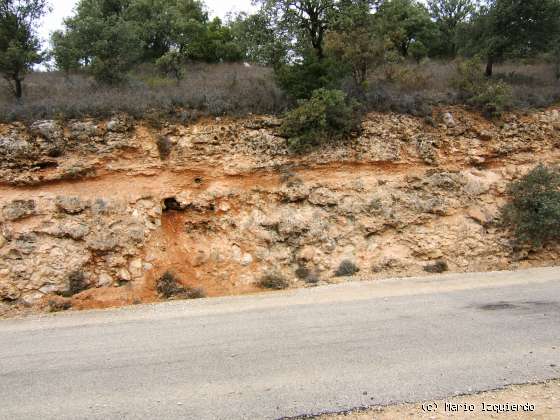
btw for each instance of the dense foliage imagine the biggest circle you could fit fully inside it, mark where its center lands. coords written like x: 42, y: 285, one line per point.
x: 534, y: 211
x: 108, y: 37
x: 492, y: 97
x: 19, y: 44
x: 326, y: 116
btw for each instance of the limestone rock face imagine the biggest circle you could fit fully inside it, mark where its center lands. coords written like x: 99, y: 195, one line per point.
x: 71, y: 205
x: 18, y: 209
x: 48, y: 129
x: 231, y: 204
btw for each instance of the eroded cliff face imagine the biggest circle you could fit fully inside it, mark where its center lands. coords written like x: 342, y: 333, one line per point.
x: 93, y: 205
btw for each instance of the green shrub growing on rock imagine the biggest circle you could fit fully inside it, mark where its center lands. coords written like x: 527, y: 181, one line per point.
x: 438, y: 267
x: 273, y: 281
x: 492, y: 97
x: 77, y: 283
x: 346, y: 268
x: 534, y: 211
x: 169, y: 287
x: 327, y: 115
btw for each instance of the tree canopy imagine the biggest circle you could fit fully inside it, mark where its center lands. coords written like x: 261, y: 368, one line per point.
x: 512, y: 28
x: 311, y: 44
x: 20, y: 47
x: 108, y: 37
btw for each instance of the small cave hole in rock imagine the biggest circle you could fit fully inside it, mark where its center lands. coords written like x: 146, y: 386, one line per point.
x: 198, y: 180
x: 170, y: 204
x: 45, y: 165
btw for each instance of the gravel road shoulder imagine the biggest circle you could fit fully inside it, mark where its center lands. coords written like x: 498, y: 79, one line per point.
x: 545, y: 398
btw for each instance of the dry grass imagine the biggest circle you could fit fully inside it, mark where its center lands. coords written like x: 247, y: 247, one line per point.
x: 219, y: 89
x: 414, y: 88
x: 234, y: 89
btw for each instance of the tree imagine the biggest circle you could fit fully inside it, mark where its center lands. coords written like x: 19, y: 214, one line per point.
x: 65, y: 53
x: 258, y: 40
x: 172, y: 63
x: 448, y: 15
x: 306, y: 20
x: 99, y: 38
x: 164, y: 24
x: 402, y: 22
x: 108, y: 37
x: 19, y: 44
x: 512, y: 28
x: 218, y: 44
x: 117, y: 47
x: 353, y: 38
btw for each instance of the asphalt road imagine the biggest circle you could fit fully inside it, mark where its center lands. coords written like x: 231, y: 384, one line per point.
x: 284, y: 354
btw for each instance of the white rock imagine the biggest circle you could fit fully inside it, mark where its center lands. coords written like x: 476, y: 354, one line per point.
x: 49, y: 288
x: 448, y: 120
x: 235, y: 253
x: 104, y: 280
x: 124, y: 274
x: 247, y: 259
x: 31, y: 298
x: 135, y: 267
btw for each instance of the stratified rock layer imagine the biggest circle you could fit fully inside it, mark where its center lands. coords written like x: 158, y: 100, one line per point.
x: 228, y: 204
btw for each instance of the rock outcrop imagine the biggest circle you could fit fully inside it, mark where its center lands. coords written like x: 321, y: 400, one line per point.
x: 228, y: 204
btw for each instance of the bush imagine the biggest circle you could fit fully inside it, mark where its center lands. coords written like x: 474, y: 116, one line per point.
x: 534, y: 211
x: 300, y: 80
x: 492, y: 97
x: 312, y: 278
x: 273, y: 281
x: 302, y: 272
x: 418, y: 51
x: 437, y: 267
x: 168, y: 287
x: 58, y: 304
x: 346, y: 268
x: 164, y: 146
x: 384, y: 97
x: 326, y: 116
x: 76, y: 283
x: 469, y: 77
x: 308, y: 276
x: 171, y: 64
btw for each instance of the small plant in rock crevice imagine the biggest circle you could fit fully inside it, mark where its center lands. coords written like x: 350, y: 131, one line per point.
x: 169, y: 287
x: 273, y: 281
x: 77, y: 283
x: 164, y: 146
x: 346, y: 268
x: 437, y: 267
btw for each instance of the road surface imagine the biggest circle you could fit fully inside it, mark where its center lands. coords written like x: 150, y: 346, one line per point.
x: 290, y: 353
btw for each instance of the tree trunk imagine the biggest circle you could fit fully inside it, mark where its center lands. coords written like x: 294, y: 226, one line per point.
x: 489, y: 66
x: 18, y: 88
x: 320, y: 52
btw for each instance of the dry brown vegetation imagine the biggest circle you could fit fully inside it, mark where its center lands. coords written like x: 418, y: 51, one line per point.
x: 235, y: 89
x: 414, y: 88
x: 219, y: 89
